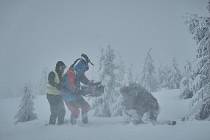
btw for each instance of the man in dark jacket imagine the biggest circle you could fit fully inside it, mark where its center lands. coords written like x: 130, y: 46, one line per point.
x: 55, y: 100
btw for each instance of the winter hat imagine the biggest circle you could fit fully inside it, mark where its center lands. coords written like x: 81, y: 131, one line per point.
x: 60, y: 64
x: 86, y: 58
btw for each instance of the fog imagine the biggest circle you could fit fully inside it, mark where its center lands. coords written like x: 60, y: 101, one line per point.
x: 34, y: 34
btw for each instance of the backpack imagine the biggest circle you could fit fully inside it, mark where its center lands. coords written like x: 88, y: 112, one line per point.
x: 69, y: 80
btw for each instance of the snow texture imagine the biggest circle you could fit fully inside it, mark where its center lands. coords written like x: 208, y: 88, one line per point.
x: 171, y: 107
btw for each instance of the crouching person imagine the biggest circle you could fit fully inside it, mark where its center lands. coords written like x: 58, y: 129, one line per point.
x: 71, y: 91
x: 54, y: 98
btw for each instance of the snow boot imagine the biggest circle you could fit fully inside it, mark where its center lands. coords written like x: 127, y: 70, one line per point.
x: 84, y: 118
x: 73, y: 120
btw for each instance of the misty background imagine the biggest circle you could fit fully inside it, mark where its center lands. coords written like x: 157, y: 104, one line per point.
x: 35, y: 34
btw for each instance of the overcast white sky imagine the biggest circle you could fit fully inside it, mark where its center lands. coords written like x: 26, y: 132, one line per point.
x: 34, y: 34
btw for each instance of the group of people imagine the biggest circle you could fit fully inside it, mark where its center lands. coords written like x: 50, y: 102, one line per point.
x: 65, y: 88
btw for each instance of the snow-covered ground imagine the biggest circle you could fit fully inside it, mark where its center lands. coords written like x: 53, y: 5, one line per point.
x: 172, y: 108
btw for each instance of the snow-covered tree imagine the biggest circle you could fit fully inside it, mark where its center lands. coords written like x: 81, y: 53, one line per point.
x: 109, y: 104
x: 117, y: 108
x: 130, y: 76
x: 199, y: 27
x: 148, y: 79
x: 186, y: 82
x: 175, y: 76
x: 169, y: 76
x: 163, y: 76
x: 26, y: 108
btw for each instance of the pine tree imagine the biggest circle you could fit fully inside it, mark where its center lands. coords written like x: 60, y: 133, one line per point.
x: 148, y: 79
x: 109, y: 103
x: 175, y: 76
x: 117, y: 108
x: 130, y: 75
x: 169, y: 76
x: 163, y: 76
x: 26, y: 108
x: 186, y: 82
x: 199, y: 27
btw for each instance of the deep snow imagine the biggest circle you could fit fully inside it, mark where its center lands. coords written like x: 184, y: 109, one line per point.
x: 172, y: 108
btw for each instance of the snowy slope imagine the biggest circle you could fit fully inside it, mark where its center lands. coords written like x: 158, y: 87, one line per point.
x: 103, y: 128
x: 171, y: 106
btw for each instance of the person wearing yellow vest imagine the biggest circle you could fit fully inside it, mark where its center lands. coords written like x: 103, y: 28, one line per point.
x: 54, y: 98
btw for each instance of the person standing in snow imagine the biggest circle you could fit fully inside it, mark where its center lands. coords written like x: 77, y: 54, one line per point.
x: 54, y: 98
x: 71, y: 88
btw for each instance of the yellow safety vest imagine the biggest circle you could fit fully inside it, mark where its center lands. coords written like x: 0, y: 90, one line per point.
x: 51, y: 89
